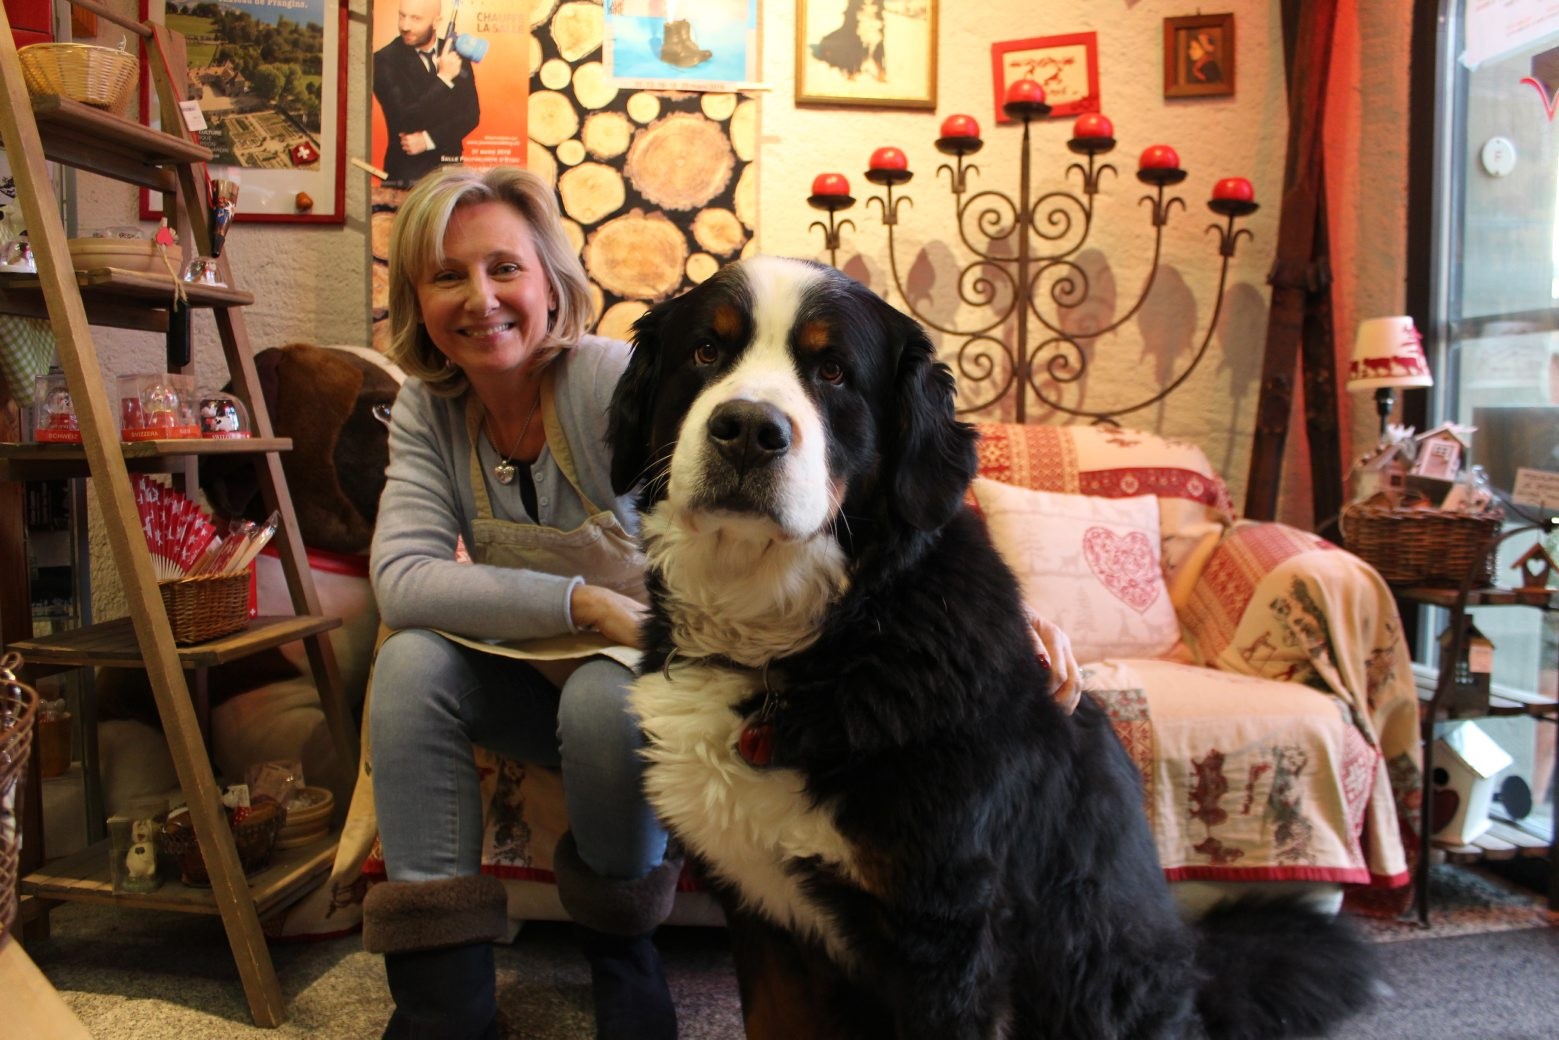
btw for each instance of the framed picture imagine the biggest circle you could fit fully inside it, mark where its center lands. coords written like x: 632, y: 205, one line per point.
x: 269, y: 80
x: 1199, y: 55
x: 875, y: 53
x: 1066, y: 66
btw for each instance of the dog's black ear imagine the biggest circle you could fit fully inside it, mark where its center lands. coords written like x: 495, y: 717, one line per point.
x: 934, y: 459
x: 628, y: 422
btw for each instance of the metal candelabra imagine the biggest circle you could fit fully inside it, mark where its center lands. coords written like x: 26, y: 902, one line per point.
x: 1010, y: 283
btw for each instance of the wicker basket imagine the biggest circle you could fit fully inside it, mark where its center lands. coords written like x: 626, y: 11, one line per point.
x: 206, y: 607
x: 254, y: 837
x: 18, y: 705
x: 98, y: 76
x: 1423, y: 546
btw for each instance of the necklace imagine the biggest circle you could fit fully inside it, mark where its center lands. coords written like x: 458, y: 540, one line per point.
x: 505, y: 469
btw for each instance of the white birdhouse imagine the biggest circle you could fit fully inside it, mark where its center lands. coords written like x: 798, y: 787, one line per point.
x: 1466, y: 760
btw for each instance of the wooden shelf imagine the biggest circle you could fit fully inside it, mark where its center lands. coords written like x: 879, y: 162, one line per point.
x: 91, y: 139
x: 57, y: 461
x: 1503, y: 840
x: 83, y: 877
x: 113, y: 287
x: 1440, y: 596
x: 112, y: 644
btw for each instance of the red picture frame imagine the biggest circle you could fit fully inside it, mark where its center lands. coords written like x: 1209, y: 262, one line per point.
x: 1067, y: 66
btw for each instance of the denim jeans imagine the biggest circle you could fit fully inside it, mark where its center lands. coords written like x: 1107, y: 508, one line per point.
x: 433, y: 699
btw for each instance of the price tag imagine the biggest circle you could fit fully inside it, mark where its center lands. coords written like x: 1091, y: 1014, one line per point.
x: 1536, y: 487
x: 1480, y: 658
x: 192, y: 116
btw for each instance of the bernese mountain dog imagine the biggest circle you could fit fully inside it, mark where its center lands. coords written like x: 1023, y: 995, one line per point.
x: 847, y: 725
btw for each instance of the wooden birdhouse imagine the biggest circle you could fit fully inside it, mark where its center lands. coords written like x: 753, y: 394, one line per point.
x: 1466, y: 761
x: 1536, y: 567
x: 1470, y: 673
x: 1381, y: 472
x: 1440, y: 452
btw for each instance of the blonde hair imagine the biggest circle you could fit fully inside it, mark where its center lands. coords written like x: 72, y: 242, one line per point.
x: 417, y: 247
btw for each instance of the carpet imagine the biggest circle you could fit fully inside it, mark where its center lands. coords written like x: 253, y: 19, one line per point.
x: 1485, y: 969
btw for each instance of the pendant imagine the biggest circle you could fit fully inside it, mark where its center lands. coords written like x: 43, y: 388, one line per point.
x: 756, y: 744
x: 504, y: 471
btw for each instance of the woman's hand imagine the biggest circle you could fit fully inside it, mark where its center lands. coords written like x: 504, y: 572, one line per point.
x: 1054, y: 648
x: 612, y: 614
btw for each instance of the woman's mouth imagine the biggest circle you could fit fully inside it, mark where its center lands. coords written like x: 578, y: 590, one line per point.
x: 486, y: 331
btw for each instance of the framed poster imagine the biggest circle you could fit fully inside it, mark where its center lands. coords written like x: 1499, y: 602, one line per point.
x: 269, y: 79
x: 1199, y: 55
x: 1066, y: 66
x: 874, y: 53
x: 711, y: 45
x: 451, y: 84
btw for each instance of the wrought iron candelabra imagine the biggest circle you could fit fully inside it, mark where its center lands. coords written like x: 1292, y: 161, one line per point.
x: 1029, y: 245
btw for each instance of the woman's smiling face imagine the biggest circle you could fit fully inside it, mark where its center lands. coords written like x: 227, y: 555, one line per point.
x: 486, y: 305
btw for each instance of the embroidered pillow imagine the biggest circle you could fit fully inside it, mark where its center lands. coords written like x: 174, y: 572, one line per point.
x: 1089, y: 564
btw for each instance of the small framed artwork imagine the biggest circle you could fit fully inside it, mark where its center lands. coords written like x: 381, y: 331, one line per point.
x: 1199, y: 55
x: 1066, y: 66
x: 872, y: 53
x: 268, y: 80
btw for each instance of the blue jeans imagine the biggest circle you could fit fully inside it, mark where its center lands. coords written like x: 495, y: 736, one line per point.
x: 433, y: 699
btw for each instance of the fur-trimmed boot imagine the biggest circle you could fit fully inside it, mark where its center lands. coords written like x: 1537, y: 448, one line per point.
x: 615, y: 921
x: 436, y: 937
x: 678, y: 48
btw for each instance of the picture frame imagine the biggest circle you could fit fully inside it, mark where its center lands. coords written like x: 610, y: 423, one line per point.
x: 843, y: 55
x: 1199, y: 55
x: 274, y: 150
x: 1067, y: 66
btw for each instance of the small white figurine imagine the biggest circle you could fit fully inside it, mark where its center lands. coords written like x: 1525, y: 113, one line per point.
x: 141, y: 859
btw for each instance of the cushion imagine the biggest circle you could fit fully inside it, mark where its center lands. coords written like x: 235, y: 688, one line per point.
x: 1089, y: 564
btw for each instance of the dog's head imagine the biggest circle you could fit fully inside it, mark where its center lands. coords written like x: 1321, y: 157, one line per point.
x: 781, y: 394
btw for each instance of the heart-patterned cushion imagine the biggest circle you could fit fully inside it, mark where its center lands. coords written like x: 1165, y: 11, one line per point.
x: 1088, y: 563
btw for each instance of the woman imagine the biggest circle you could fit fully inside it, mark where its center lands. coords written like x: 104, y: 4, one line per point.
x: 497, y: 439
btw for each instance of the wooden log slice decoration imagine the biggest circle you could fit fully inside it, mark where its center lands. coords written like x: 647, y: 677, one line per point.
x: 379, y: 301
x: 593, y: 88
x: 751, y: 249
x: 574, y: 233
x: 606, y: 134
x: 539, y: 11
x: 387, y: 198
x: 617, y: 322
x: 556, y: 73
x: 577, y: 29
x: 591, y: 191
x: 552, y: 119
x: 536, y: 55
x: 643, y: 107
x: 379, y: 233
x: 571, y: 152
x: 747, y: 196
x: 718, y: 231
x: 744, y: 131
x: 637, y: 255
x: 680, y: 162
x: 717, y: 106
x: 700, y: 266
x: 539, y: 160
x: 597, y: 298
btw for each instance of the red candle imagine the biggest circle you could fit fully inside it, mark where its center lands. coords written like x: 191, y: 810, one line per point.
x: 830, y: 184
x: 1093, y: 124
x: 1159, y: 157
x: 960, y: 126
x: 1025, y: 90
x: 1236, y: 189
x: 889, y: 158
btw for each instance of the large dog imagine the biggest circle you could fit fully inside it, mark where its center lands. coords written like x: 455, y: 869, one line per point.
x: 847, y: 724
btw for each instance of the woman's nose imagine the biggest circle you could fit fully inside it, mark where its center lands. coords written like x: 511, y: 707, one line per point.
x: 479, y: 295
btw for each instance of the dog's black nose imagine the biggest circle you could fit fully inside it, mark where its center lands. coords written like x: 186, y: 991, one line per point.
x: 749, y: 433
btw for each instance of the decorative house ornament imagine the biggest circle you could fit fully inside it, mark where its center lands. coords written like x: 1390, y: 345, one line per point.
x: 1467, y: 761
x: 1536, y: 567
x: 1470, y: 670
x: 1440, y: 451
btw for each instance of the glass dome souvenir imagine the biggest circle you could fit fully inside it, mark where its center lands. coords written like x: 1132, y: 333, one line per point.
x: 56, y: 421
x: 155, y: 406
x: 223, y: 417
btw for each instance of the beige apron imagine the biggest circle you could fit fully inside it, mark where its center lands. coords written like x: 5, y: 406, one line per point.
x: 599, y: 548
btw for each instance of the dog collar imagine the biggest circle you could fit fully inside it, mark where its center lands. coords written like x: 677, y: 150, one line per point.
x: 755, y: 742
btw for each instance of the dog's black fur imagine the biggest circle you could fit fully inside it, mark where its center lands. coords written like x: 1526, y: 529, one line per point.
x: 1014, y: 890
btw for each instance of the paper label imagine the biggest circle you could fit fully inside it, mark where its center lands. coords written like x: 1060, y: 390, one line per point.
x: 1536, y: 487
x: 1480, y: 659
x: 192, y: 117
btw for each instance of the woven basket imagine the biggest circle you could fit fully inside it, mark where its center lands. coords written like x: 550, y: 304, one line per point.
x: 206, y: 607
x: 98, y: 76
x: 255, y: 839
x: 1423, y: 546
x: 18, y: 705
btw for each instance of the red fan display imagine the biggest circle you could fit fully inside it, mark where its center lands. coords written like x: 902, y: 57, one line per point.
x: 184, y: 540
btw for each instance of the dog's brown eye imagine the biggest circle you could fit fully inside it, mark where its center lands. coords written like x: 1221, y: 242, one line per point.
x: 831, y: 372
x: 706, y: 354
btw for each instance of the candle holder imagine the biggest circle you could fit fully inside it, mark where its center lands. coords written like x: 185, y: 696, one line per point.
x: 1040, y: 234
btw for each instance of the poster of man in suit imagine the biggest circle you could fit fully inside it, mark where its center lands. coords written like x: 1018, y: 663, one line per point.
x: 450, y: 79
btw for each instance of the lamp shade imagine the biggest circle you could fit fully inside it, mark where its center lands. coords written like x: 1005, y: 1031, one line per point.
x: 1388, y: 352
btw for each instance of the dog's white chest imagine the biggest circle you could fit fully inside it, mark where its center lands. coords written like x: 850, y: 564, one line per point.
x: 746, y: 823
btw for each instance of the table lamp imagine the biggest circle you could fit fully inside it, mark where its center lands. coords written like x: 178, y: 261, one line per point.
x: 1388, y: 353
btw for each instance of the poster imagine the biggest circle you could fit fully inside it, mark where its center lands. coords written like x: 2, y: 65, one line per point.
x: 682, y: 44
x: 1496, y: 27
x: 472, y: 110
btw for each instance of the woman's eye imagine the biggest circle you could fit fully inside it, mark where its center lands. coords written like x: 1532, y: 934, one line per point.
x: 706, y: 354
x: 831, y: 372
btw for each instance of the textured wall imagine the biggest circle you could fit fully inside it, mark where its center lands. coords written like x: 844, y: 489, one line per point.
x: 311, y: 282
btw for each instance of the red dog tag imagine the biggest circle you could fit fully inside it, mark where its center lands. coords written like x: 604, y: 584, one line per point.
x: 756, y: 744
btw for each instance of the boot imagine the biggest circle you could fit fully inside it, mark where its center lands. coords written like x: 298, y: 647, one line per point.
x: 614, y: 923
x: 679, y: 49
x: 436, y: 937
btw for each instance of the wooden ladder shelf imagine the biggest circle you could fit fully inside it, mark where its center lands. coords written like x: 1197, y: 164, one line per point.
x: 35, y: 129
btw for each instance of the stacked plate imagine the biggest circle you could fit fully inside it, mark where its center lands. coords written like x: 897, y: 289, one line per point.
x: 308, y: 817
